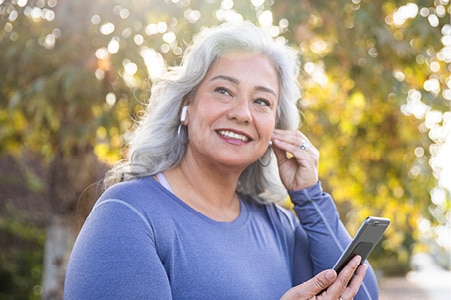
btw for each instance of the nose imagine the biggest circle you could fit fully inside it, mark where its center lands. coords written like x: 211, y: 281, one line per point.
x: 240, y: 111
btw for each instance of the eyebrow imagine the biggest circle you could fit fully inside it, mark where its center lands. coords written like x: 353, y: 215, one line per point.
x: 236, y: 81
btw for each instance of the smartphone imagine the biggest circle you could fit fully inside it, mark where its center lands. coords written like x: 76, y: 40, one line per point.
x: 364, y: 241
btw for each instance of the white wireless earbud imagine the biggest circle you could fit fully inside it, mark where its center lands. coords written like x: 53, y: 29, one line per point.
x: 183, y: 115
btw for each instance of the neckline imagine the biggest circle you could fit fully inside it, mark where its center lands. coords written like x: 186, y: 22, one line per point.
x: 163, y: 181
x: 165, y: 187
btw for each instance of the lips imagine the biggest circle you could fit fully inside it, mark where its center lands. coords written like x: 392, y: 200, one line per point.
x: 233, y: 135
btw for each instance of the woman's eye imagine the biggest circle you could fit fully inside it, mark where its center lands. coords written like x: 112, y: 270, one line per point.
x: 222, y: 90
x: 262, y: 102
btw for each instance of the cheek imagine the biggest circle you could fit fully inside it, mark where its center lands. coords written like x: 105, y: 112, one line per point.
x: 200, y: 122
x: 266, y: 127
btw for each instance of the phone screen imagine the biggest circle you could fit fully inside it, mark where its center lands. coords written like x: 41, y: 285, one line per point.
x: 366, y: 238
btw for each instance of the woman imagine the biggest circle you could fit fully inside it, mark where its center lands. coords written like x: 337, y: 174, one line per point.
x: 191, y: 214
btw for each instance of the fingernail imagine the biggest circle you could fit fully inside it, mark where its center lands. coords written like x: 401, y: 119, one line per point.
x: 330, y: 275
x: 360, y: 259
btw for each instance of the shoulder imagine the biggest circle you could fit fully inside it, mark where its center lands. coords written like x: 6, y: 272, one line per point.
x: 144, y: 197
x: 134, y: 192
x: 129, y: 188
x: 139, y: 200
x: 285, y: 215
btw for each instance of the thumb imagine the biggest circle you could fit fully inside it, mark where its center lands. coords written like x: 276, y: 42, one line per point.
x: 323, y: 280
x: 311, y: 287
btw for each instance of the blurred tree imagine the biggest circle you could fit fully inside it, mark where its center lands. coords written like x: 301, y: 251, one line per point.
x: 72, y: 73
x: 55, y: 106
x: 368, y: 68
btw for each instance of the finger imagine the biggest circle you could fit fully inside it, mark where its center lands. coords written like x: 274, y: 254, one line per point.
x: 312, y: 287
x: 291, y: 137
x: 344, y: 277
x: 293, y: 134
x: 294, y: 142
x: 354, y: 285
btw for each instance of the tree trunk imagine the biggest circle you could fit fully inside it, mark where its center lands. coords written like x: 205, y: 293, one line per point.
x: 60, y: 239
x: 72, y: 192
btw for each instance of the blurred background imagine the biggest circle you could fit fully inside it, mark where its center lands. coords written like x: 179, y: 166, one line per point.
x: 74, y: 75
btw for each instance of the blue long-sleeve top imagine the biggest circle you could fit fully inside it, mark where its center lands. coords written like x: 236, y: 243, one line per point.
x: 142, y: 242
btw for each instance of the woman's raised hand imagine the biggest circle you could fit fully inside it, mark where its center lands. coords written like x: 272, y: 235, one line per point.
x: 298, y: 169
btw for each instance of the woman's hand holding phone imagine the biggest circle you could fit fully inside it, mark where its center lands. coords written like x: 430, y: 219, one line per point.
x: 327, y: 285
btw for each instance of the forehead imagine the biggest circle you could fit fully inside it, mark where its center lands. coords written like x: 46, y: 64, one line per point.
x: 243, y: 57
x: 246, y: 66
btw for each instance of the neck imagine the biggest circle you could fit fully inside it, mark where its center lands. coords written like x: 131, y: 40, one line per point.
x: 206, y: 189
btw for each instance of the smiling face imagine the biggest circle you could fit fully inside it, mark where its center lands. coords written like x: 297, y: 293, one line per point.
x: 233, y: 113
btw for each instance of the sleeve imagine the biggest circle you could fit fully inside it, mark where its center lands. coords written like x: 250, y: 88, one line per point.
x: 326, y: 234
x: 114, y: 257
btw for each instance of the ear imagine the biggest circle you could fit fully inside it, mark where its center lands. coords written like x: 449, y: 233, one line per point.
x: 183, y: 114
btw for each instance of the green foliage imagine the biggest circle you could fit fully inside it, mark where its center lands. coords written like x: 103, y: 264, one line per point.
x: 21, y: 261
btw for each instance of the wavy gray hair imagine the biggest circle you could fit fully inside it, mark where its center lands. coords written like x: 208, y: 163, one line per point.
x: 155, y: 145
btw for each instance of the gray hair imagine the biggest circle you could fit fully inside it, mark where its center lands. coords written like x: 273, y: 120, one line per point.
x: 156, y: 145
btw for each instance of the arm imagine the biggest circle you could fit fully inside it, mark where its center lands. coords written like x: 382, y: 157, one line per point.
x: 318, y: 216
x: 115, y: 257
x: 327, y: 236
x: 317, y: 212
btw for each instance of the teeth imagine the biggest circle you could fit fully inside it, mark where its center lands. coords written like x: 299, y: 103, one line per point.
x: 233, y: 135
